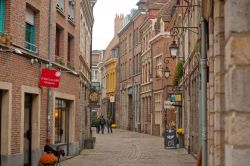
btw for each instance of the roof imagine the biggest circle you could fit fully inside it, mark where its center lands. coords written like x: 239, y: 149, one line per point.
x: 166, y: 10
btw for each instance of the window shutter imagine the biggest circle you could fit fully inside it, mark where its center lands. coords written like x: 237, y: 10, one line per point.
x: 30, y: 16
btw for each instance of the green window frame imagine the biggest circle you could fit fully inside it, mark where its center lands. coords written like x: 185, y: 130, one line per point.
x: 2, y: 12
x: 29, y: 36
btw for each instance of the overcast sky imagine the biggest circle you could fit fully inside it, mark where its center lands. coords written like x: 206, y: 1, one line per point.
x: 104, y: 13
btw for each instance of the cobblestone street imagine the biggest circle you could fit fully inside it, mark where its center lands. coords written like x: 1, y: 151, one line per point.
x: 125, y: 148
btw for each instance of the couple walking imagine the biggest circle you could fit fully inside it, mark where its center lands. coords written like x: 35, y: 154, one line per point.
x: 101, y: 122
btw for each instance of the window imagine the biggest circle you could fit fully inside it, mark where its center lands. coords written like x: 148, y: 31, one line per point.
x: 159, y: 66
x: 158, y: 107
x: 71, y: 15
x: 70, y: 48
x: 130, y: 42
x: 2, y: 11
x: 29, y: 30
x: 61, y: 120
x: 137, y: 64
x: 60, y: 5
x: 57, y: 47
x: 94, y: 75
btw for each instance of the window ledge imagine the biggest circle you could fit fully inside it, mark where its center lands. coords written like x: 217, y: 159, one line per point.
x: 72, y: 22
x: 60, y: 12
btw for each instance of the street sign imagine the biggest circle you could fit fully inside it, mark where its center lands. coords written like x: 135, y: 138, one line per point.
x: 50, y: 78
x: 112, y: 99
x: 168, y: 105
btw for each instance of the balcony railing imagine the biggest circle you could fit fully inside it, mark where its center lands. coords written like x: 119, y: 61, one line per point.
x: 30, y: 47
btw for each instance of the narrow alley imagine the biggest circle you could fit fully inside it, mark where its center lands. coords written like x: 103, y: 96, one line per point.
x: 125, y: 148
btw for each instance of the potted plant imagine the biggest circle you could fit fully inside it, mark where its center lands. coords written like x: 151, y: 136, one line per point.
x: 89, y: 142
x: 5, y: 38
x: 48, y: 159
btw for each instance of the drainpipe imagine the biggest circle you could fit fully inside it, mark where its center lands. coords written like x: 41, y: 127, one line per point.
x: 203, y: 62
x: 91, y: 38
x: 50, y: 64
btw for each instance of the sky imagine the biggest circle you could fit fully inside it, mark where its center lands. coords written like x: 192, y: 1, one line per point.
x: 104, y: 14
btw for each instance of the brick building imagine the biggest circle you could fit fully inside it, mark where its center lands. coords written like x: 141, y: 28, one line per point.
x: 138, y: 19
x: 146, y: 82
x: 31, y: 115
x: 126, y: 65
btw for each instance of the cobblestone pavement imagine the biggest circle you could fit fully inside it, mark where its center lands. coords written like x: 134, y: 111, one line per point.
x: 125, y: 148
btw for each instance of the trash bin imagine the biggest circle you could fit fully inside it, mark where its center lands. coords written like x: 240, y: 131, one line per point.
x: 170, y: 139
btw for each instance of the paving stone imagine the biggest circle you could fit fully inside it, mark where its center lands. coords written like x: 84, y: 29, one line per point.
x: 125, y: 148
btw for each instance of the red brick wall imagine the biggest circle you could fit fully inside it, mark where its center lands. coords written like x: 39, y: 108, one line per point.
x: 19, y: 71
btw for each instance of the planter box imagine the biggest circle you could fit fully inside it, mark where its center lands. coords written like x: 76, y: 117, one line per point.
x: 89, y: 143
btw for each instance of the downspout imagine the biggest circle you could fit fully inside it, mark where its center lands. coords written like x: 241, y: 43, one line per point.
x: 91, y: 38
x: 203, y: 62
x: 50, y: 64
x: 133, y: 79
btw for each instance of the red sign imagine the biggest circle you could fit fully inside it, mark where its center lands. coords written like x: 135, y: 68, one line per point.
x: 50, y: 78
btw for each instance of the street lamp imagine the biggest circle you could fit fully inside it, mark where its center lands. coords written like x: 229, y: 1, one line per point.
x: 167, y: 72
x: 173, y: 49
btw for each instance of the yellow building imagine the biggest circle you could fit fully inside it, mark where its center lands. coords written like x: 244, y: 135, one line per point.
x: 111, y: 76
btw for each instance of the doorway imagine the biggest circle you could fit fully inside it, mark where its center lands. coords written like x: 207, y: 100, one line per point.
x: 130, y: 112
x: 62, y: 108
x: 27, y: 129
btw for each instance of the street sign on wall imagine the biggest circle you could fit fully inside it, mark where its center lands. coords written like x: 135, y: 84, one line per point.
x: 168, y: 105
x: 50, y: 78
x: 112, y: 99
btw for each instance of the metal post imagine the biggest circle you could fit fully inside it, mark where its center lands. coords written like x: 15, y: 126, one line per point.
x: 203, y: 62
x: 49, y: 57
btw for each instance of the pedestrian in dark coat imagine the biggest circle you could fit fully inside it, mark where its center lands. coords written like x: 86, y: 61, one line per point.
x: 97, y: 125
x: 109, y: 125
x: 102, y: 123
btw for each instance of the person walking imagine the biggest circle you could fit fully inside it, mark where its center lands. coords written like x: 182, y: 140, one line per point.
x: 102, y: 123
x: 109, y: 124
x: 97, y: 125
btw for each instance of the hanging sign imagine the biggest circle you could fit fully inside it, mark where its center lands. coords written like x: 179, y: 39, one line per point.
x: 176, y: 97
x: 50, y: 78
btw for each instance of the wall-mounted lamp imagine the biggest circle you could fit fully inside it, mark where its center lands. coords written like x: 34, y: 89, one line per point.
x: 173, y: 49
x: 167, y: 72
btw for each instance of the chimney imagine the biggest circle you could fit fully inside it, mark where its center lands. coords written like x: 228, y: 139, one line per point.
x: 118, y: 23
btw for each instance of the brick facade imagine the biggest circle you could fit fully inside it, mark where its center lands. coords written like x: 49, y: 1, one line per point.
x: 20, y: 74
